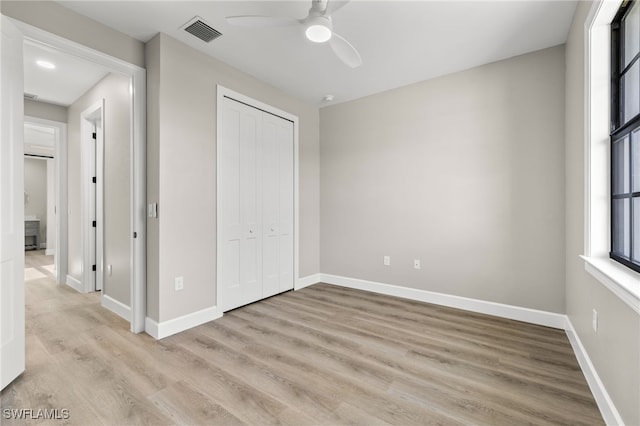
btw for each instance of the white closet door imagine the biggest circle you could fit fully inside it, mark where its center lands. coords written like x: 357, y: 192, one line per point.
x: 239, y: 220
x: 277, y: 205
x: 255, y: 209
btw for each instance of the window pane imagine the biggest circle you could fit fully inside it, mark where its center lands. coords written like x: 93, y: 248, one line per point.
x: 621, y: 227
x: 635, y: 172
x: 620, y: 172
x: 631, y: 91
x: 631, y: 34
x: 636, y: 229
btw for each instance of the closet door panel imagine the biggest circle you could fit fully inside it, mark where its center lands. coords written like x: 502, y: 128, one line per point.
x: 229, y: 214
x: 250, y: 209
x: 286, y: 204
x: 270, y: 207
x: 239, y: 265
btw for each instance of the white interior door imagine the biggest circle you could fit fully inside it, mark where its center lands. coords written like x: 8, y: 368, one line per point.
x: 12, y: 338
x: 92, y: 138
x: 255, y: 211
x: 91, y: 264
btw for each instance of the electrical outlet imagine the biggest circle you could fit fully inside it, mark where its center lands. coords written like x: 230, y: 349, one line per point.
x: 416, y: 264
x: 594, y: 321
x: 387, y: 260
x: 179, y: 283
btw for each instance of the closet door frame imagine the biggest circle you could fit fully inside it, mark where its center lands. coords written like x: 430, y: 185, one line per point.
x: 222, y: 93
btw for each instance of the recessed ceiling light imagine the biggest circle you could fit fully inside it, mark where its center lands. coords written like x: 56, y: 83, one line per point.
x: 45, y: 64
x: 327, y: 98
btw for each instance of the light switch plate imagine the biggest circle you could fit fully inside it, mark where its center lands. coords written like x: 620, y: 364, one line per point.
x: 152, y: 210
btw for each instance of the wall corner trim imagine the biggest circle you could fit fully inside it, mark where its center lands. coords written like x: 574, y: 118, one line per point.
x: 605, y: 404
x: 74, y: 284
x: 118, y: 308
x: 160, y: 330
x: 532, y: 316
x: 307, y: 281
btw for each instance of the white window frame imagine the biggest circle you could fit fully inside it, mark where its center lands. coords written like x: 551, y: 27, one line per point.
x: 622, y: 281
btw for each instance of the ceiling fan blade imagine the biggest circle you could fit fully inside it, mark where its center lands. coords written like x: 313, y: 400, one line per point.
x: 260, y: 21
x: 333, y: 5
x: 345, y: 51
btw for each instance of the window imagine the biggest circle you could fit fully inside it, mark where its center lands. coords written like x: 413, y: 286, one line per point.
x: 625, y: 135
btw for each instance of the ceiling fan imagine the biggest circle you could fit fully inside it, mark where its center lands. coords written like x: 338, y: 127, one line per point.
x: 318, y: 28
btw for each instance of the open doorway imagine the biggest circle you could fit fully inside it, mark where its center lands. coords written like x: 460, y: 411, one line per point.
x: 16, y: 37
x: 103, y: 183
x: 45, y: 154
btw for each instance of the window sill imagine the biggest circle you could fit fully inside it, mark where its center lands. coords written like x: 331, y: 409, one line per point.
x: 622, y: 281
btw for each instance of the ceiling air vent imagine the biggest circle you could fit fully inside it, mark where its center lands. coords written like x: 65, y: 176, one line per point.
x: 30, y: 96
x: 201, y: 29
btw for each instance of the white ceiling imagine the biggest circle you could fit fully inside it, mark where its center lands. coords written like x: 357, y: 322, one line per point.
x: 401, y: 42
x: 70, y: 79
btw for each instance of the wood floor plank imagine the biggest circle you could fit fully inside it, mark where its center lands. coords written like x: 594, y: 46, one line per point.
x: 185, y: 405
x: 411, y: 373
x: 324, y: 355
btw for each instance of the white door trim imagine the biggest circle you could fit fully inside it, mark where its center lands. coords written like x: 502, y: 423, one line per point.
x: 92, y: 158
x: 61, y: 192
x: 138, y: 150
x: 223, y: 92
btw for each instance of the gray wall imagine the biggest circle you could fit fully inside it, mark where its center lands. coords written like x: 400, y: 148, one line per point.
x: 45, y: 111
x: 615, y: 348
x: 182, y: 178
x: 463, y: 172
x: 35, y: 185
x: 114, y: 89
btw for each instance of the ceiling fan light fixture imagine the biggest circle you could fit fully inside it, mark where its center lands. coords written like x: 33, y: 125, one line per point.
x: 319, y: 30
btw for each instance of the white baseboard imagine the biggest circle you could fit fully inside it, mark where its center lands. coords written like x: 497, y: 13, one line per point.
x: 605, y: 404
x: 118, y: 308
x: 533, y: 316
x: 50, y: 252
x: 75, y: 284
x: 307, y: 281
x: 185, y: 322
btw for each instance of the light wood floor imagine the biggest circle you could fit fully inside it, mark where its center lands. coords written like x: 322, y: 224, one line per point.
x: 323, y: 355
